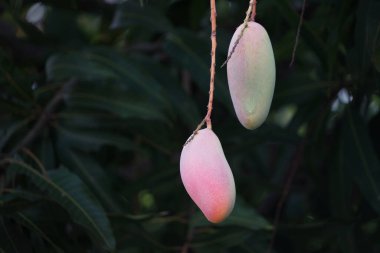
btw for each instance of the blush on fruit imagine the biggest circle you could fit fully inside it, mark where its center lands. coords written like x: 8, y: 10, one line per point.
x: 207, y: 176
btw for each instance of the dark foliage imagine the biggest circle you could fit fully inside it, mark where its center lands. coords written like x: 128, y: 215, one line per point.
x: 97, y: 99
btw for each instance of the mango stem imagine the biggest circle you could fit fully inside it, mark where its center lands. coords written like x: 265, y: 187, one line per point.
x: 212, y: 68
x: 207, y: 118
x: 250, y: 16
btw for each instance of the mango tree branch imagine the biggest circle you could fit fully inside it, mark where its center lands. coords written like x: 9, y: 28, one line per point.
x: 45, y: 116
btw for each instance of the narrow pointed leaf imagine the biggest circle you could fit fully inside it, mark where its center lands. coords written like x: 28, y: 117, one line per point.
x: 73, y: 195
x: 360, y: 159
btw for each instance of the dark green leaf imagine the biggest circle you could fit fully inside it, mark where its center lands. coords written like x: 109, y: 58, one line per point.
x: 69, y: 191
x: 94, y: 176
x: 122, y: 106
x: 23, y: 219
x: 102, y: 64
x: 92, y: 140
x: 360, y: 160
x: 192, y: 53
x: 132, y: 14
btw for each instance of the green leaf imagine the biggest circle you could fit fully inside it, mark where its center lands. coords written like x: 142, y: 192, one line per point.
x: 367, y: 35
x: 60, y: 67
x: 8, y: 131
x: 185, y: 106
x: 13, y: 194
x: 312, y: 39
x: 12, y: 107
x: 360, y: 159
x: 27, y: 222
x: 94, y: 176
x: 292, y: 92
x: 223, y: 239
x: 121, y: 105
x: 132, y: 14
x: 62, y: 26
x: 376, y: 59
x: 14, y: 200
x: 99, y: 64
x: 46, y: 150
x: 87, y: 139
x: 341, y: 184
x: 69, y: 191
x: 6, y: 239
x: 193, y: 52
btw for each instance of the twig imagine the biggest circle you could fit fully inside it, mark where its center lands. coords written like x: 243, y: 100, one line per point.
x: 190, y: 232
x: 189, y: 238
x: 298, y: 34
x: 311, y: 129
x: 250, y: 15
x: 16, y: 86
x: 44, y: 117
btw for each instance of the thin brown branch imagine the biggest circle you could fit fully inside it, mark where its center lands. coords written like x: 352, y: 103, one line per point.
x: 190, y: 232
x: 212, y: 68
x: 298, y: 34
x: 250, y: 15
x: 16, y: 86
x: 294, y: 167
x: 36, y: 160
x: 189, y: 238
x: 312, y: 128
x: 45, y: 116
x: 207, y: 118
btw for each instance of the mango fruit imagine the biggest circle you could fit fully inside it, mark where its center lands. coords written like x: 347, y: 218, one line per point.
x: 207, y: 176
x: 251, y: 74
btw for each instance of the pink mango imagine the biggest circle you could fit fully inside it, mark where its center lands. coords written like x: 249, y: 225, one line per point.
x: 207, y: 176
x: 251, y: 73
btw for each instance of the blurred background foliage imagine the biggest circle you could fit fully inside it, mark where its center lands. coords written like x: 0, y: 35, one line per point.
x: 98, y: 97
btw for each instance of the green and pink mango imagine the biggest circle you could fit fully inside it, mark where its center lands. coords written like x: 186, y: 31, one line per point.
x: 251, y: 75
x: 207, y: 176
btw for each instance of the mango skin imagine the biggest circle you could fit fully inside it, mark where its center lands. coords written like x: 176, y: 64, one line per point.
x: 251, y: 74
x: 207, y: 177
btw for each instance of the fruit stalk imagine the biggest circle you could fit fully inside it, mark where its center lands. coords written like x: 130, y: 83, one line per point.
x: 212, y: 67
x: 207, y: 118
x: 253, y: 8
x: 249, y: 16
